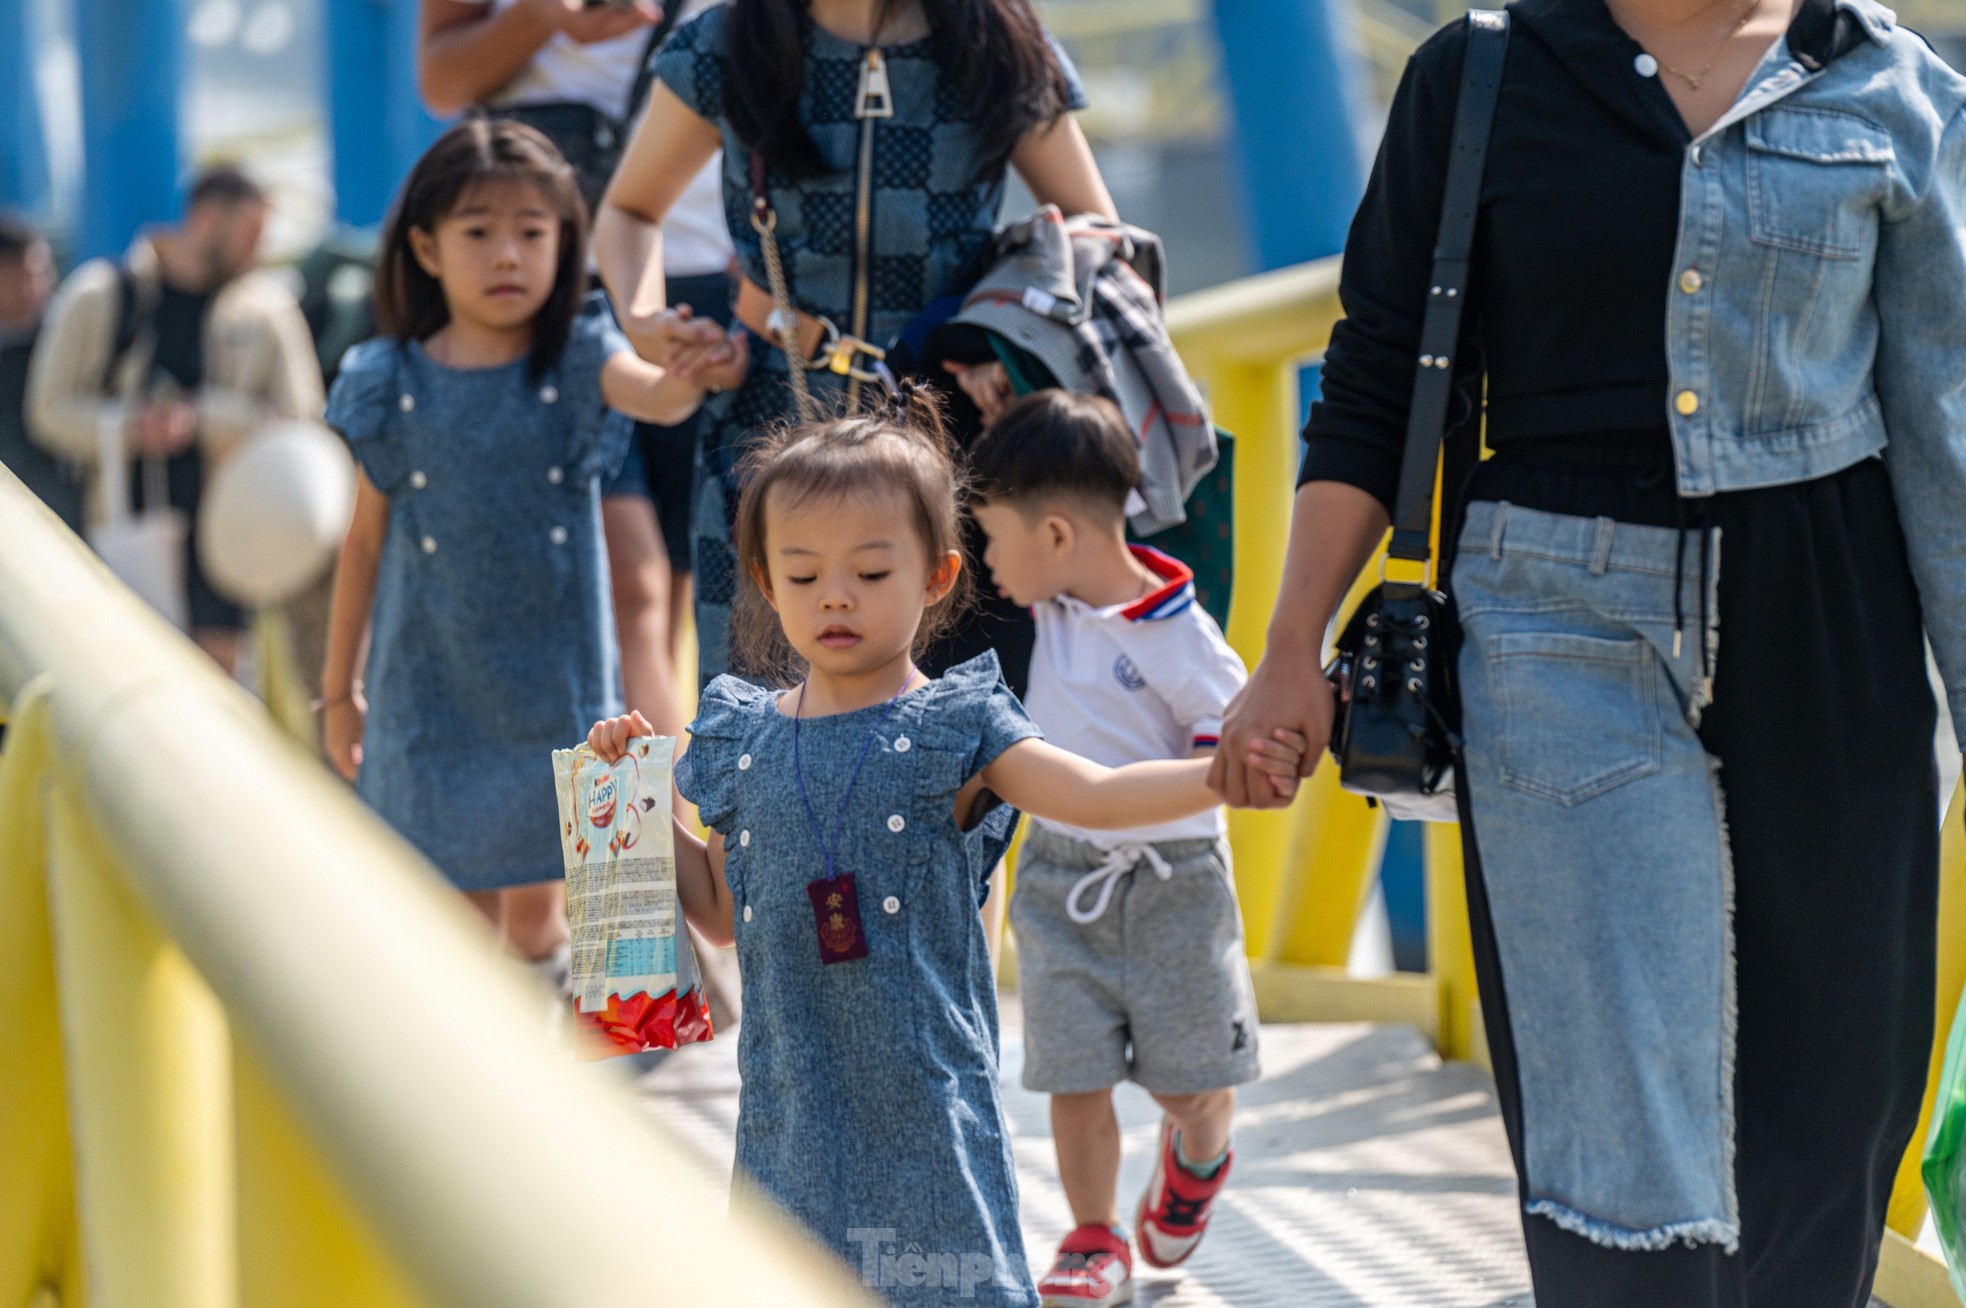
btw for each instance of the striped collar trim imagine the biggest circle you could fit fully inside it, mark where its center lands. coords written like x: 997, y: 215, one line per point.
x: 1176, y: 594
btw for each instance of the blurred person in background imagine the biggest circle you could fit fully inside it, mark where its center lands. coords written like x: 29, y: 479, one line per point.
x: 27, y: 279
x: 567, y: 69
x: 578, y: 73
x: 470, y: 631
x: 189, y: 350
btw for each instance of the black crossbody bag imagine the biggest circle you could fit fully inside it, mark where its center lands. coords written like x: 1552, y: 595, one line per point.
x: 1394, y: 734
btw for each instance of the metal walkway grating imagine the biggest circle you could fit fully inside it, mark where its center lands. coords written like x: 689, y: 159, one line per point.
x: 1368, y: 1175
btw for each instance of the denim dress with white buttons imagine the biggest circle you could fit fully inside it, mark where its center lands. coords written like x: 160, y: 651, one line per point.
x: 492, y: 639
x: 870, y: 1105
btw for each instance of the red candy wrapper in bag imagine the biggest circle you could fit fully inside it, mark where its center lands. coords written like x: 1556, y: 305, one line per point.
x: 635, y: 982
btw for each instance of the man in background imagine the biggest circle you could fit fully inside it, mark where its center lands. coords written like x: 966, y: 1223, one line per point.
x: 187, y: 350
x: 27, y: 279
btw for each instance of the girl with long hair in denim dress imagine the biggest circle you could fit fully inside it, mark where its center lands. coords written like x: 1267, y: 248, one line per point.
x: 474, y: 569
x: 855, y: 818
x: 880, y: 132
x: 1714, y: 313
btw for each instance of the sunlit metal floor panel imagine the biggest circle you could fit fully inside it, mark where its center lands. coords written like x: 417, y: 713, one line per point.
x: 1368, y: 1175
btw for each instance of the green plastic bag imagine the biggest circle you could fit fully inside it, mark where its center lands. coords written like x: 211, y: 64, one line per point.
x: 1944, y: 1168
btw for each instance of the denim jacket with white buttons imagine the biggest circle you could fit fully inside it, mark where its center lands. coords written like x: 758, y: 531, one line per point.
x: 1818, y: 307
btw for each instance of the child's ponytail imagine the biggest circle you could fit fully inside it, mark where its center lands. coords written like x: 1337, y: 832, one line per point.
x: 915, y: 408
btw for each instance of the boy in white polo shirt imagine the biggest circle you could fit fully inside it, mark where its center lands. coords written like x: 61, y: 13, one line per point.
x: 1129, y: 943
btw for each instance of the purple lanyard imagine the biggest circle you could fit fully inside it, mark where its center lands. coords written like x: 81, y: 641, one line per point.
x: 798, y: 773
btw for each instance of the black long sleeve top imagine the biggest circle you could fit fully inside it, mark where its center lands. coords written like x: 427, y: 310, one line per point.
x: 1574, y: 242
x: 1573, y: 248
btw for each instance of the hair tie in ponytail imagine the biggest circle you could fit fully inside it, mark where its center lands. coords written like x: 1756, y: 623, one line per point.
x: 902, y: 399
x: 915, y: 407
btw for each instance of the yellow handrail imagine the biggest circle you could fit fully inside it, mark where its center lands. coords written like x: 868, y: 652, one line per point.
x: 292, y: 1068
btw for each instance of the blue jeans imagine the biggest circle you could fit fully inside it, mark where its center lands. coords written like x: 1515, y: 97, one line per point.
x: 1820, y: 727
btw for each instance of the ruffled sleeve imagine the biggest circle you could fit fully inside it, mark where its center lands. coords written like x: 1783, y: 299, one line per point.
x: 973, y: 695
x: 1075, y: 97
x: 363, y: 407
x: 707, y: 774
x: 599, y: 436
x: 691, y: 63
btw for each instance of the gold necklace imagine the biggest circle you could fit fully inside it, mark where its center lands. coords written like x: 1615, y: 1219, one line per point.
x: 1693, y: 79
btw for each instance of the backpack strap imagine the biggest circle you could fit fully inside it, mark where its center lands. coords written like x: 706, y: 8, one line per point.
x: 129, y: 321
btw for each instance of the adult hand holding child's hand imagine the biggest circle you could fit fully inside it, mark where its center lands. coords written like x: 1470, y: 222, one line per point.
x: 1278, y: 758
x: 663, y: 335
x: 719, y: 365
x: 1286, y: 693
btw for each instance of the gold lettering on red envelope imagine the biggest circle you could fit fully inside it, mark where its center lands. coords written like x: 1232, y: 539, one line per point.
x: 836, y: 918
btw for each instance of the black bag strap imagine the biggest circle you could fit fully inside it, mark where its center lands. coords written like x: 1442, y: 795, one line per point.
x: 133, y: 312
x: 1440, y: 329
x: 129, y: 320
x: 638, y: 94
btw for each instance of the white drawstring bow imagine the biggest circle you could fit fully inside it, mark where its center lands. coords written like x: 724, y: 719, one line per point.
x: 1119, y: 860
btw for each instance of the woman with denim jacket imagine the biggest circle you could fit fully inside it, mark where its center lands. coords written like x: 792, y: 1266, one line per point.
x: 1718, y: 287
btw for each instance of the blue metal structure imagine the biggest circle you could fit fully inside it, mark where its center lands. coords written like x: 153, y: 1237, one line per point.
x: 378, y: 125
x: 1293, y: 83
x: 131, y: 53
x: 23, y: 147
x: 412, y: 129
x: 358, y: 34
x: 1403, y: 879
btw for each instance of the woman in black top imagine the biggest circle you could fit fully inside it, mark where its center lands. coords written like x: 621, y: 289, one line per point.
x: 1818, y: 705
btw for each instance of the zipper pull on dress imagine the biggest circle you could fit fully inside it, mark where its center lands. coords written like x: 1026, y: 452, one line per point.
x: 874, y: 100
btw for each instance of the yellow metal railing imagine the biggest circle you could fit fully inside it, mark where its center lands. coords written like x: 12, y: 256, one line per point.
x: 253, y: 1052
x: 1303, y: 873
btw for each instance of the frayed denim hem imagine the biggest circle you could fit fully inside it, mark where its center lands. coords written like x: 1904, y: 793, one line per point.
x: 1730, y: 1004
x: 1705, y: 1230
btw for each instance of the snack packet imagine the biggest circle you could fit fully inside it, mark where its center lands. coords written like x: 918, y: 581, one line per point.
x: 635, y: 982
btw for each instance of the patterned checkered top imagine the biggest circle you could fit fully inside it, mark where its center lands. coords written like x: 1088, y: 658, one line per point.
x: 934, y: 205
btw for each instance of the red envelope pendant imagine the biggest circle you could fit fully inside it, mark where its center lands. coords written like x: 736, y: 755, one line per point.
x: 836, y: 917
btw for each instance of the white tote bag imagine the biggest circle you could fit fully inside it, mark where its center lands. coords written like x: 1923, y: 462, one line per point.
x: 144, y: 549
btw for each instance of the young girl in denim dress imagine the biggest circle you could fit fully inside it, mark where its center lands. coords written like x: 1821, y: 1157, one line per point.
x: 473, y: 569
x: 855, y: 819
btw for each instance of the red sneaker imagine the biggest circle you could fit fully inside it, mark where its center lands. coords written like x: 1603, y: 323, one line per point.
x: 1173, y: 1213
x: 1094, y: 1269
